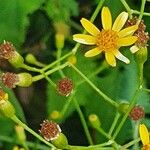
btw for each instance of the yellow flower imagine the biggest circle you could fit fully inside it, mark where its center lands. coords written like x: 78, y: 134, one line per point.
x: 110, y: 38
x: 144, y: 135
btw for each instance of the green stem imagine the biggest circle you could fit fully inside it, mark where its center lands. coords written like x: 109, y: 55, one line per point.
x: 142, y: 9
x: 130, y: 143
x: 58, y: 64
x: 146, y: 90
x: 29, y: 68
x: 100, y: 4
x: 83, y: 121
x: 16, y: 120
x: 126, y: 115
x: 55, y: 62
x: 137, y: 12
x: 106, y: 98
x: 39, y: 77
x: 67, y: 104
x: 30, y: 144
x: 135, y: 126
x: 117, y: 116
x: 24, y: 144
x: 127, y: 7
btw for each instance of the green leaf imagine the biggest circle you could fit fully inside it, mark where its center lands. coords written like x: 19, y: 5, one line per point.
x: 14, y: 19
x: 61, y: 10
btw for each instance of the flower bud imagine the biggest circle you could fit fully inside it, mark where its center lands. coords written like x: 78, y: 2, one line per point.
x: 55, y: 115
x: 52, y: 132
x: 123, y: 107
x: 17, y: 148
x: 17, y: 60
x: 11, y: 79
x: 25, y: 79
x: 6, y: 108
x: 65, y: 86
x: 30, y: 58
x: 141, y: 55
x: 20, y: 133
x: 94, y: 120
x: 137, y: 113
x: 59, y: 41
x: 72, y: 59
x: 8, y: 51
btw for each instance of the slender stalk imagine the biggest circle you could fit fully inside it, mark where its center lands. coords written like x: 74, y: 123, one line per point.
x: 131, y: 143
x: 55, y: 62
x: 16, y: 120
x: 142, y: 9
x: 29, y: 68
x: 83, y: 121
x: 117, y: 116
x: 146, y: 90
x: 67, y: 104
x: 58, y: 64
x: 137, y: 12
x: 106, y: 98
x: 127, y: 7
x: 30, y: 144
x: 39, y: 77
x: 127, y: 113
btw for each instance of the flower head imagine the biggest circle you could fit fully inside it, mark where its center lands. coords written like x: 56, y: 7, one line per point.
x: 110, y: 38
x: 50, y: 130
x: 142, y: 36
x: 65, y: 86
x: 137, y: 113
x: 144, y: 136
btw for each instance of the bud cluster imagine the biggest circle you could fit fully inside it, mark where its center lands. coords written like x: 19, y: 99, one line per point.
x: 143, y: 36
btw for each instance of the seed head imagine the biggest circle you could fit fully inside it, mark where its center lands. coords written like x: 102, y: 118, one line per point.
x: 50, y: 130
x: 137, y: 113
x: 65, y: 86
x: 7, y: 50
x: 10, y: 79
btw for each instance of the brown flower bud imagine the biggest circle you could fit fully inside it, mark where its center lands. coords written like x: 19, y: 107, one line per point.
x: 65, y: 86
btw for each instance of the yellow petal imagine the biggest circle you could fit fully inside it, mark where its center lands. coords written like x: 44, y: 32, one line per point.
x: 144, y: 135
x: 128, y: 31
x: 110, y: 58
x: 84, y: 39
x: 106, y: 18
x: 93, y: 52
x: 126, y: 41
x: 89, y: 27
x: 120, y: 21
x: 134, y: 49
x: 121, y: 57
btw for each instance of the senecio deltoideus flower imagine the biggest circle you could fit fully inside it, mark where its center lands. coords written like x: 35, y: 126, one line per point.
x: 110, y: 38
x: 144, y: 136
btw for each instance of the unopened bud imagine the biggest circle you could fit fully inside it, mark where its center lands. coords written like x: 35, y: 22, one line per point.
x: 20, y: 133
x: 72, y: 59
x: 137, y: 113
x: 6, y: 108
x: 123, y: 107
x: 30, y: 58
x: 94, y: 120
x: 25, y: 79
x: 55, y: 115
x: 65, y: 86
x: 59, y: 40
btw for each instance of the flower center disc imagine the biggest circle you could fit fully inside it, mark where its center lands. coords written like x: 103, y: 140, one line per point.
x: 107, y: 40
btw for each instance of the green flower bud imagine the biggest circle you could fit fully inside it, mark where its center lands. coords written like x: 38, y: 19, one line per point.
x: 30, y: 58
x: 16, y: 60
x: 59, y: 40
x: 20, y: 133
x: 123, y: 107
x: 61, y: 141
x: 94, y: 120
x: 141, y: 55
x: 25, y: 79
x: 6, y: 108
